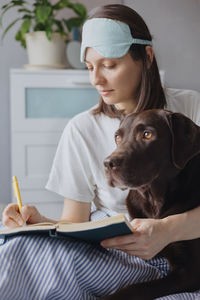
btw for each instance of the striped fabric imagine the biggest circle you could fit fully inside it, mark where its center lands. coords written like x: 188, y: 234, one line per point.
x: 42, y: 268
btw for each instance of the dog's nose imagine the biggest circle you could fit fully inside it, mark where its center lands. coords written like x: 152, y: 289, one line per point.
x: 112, y: 162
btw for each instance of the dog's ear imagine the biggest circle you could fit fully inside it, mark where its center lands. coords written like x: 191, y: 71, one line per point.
x: 121, y: 118
x: 185, y: 139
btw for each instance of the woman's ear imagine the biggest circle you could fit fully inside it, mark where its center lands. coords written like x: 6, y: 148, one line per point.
x: 150, y: 55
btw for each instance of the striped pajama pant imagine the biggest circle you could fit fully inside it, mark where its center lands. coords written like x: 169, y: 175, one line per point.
x: 44, y: 268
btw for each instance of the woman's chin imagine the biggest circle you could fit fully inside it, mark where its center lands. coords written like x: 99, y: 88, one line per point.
x: 109, y: 100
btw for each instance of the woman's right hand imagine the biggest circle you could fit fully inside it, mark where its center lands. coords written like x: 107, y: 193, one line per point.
x: 12, y: 218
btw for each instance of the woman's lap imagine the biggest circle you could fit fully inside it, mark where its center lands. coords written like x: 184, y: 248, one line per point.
x: 44, y: 268
x: 35, y: 267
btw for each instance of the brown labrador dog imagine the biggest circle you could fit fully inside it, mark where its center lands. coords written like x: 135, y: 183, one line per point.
x: 158, y: 159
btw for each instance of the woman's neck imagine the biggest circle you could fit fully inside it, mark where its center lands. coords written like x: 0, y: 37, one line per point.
x: 127, y: 107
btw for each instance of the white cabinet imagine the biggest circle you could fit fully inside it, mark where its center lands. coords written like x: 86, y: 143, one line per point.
x: 42, y: 102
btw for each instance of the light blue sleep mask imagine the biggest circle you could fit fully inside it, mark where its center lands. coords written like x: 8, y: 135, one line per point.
x: 110, y: 38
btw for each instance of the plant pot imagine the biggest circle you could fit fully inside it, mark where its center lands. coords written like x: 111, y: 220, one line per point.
x: 45, y: 54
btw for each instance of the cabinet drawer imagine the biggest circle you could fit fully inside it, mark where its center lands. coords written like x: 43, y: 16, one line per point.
x: 32, y: 158
x: 49, y: 103
x: 45, y: 101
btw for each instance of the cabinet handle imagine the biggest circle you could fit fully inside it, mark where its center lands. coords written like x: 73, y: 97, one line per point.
x: 82, y: 83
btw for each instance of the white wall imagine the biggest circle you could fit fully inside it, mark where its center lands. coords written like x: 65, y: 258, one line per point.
x: 11, y: 56
x: 175, y: 25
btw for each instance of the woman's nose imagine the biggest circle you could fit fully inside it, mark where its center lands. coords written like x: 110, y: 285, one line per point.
x: 97, y: 78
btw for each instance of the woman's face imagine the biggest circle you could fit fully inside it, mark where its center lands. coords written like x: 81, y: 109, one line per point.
x: 116, y: 79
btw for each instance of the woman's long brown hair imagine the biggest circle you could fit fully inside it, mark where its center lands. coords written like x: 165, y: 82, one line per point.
x: 150, y: 93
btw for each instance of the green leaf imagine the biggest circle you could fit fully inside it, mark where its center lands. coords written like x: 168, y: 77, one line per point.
x: 42, y: 13
x: 23, y: 43
x: 4, y: 10
x: 73, y: 22
x: 25, y: 10
x: 80, y: 9
x: 61, y: 4
x: 39, y: 27
x: 9, y: 26
x: 8, y: 6
x: 5, y: 6
x: 20, y: 38
x: 59, y: 25
x: 25, y: 26
x: 27, y: 17
x: 49, y: 34
x: 48, y: 29
x: 18, y: 2
x: 20, y: 35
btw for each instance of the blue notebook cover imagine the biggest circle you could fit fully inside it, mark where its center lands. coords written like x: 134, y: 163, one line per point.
x: 94, y: 232
x: 96, y: 235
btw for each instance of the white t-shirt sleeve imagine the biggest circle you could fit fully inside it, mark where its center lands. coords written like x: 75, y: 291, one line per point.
x: 71, y: 173
x: 195, y: 98
x: 184, y: 101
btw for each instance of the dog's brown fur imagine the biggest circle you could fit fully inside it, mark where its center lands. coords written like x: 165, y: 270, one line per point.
x: 162, y: 173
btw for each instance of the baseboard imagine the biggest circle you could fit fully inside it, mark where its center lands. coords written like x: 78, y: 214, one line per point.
x: 2, y: 206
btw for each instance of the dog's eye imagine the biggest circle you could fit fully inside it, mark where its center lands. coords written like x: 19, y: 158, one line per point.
x: 118, y: 139
x: 147, y: 135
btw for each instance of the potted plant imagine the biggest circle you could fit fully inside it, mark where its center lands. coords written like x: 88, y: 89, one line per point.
x: 41, y: 31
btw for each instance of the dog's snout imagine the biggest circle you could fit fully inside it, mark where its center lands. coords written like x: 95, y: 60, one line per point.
x: 112, y: 162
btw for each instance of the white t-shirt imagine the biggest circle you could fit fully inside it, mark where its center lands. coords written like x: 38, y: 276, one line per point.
x: 78, y: 171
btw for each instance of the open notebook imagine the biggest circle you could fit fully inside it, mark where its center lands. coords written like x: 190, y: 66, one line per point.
x: 94, y: 231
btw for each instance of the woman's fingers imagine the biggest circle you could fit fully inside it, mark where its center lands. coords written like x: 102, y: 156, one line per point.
x: 11, y: 223
x: 147, y: 240
x: 30, y: 214
x: 140, y: 254
x: 119, y: 240
x: 11, y: 216
x: 138, y: 250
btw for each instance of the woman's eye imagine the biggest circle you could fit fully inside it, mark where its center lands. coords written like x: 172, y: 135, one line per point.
x: 147, y: 135
x: 89, y: 68
x: 118, y: 139
x: 109, y: 67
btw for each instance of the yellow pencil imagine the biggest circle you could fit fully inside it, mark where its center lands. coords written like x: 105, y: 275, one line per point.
x: 17, y: 193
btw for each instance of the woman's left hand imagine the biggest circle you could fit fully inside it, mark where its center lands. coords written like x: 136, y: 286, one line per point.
x: 149, y: 237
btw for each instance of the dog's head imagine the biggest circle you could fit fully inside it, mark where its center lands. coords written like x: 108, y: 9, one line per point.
x: 151, y: 144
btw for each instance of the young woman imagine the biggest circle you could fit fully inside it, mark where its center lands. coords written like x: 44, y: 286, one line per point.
x: 117, y: 49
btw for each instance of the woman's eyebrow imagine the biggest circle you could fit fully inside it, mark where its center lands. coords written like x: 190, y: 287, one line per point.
x: 86, y: 61
x: 102, y: 59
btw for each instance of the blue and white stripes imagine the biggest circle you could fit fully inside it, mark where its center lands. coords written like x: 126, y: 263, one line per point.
x: 39, y: 268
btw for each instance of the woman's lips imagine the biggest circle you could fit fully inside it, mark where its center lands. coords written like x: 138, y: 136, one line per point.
x: 105, y: 92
